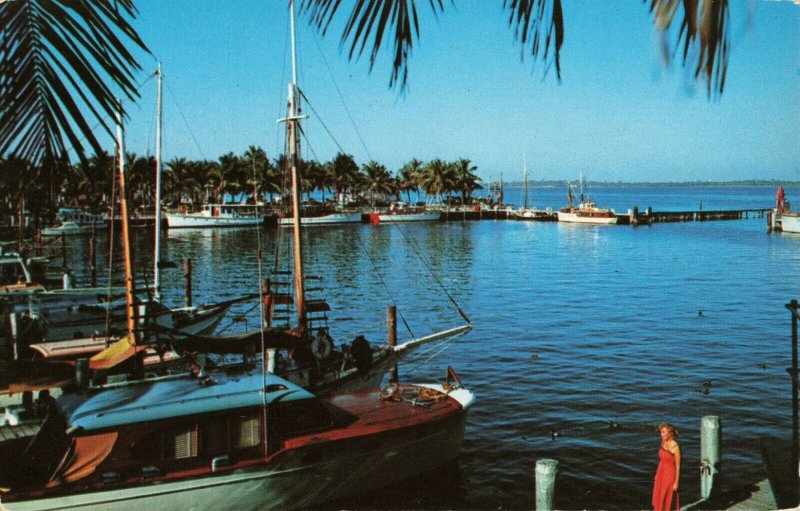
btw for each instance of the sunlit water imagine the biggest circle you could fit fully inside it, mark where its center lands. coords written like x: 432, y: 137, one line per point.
x: 596, y: 333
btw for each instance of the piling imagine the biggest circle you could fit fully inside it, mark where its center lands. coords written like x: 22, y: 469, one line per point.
x: 546, y: 470
x: 709, y: 455
x: 93, y: 258
x: 67, y: 280
x: 391, y: 324
x: 187, y: 281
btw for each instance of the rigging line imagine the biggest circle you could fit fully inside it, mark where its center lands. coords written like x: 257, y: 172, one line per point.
x: 341, y: 97
x: 383, y: 283
x: 415, y: 247
x: 414, y: 368
x: 191, y: 133
x: 324, y: 126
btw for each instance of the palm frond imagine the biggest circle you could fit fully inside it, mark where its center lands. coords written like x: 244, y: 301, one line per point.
x: 60, y: 63
x: 375, y: 21
x: 540, y: 24
x: 706, y: 26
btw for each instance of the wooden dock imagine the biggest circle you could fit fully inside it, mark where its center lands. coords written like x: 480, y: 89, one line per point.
x: 649, y: 217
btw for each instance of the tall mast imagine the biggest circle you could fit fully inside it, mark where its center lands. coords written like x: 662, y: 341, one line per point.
x: 294, y: 156
x: 157, y: 248
x: 581, y: 186
x: 129, y: 289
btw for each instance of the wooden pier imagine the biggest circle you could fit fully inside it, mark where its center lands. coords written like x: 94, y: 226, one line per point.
x: 648, y: 217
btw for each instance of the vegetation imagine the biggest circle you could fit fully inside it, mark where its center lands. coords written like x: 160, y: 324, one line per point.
x: 88, y: 185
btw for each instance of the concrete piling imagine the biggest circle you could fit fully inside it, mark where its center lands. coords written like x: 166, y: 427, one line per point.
x: 546, y: 470
x: 709, y: 455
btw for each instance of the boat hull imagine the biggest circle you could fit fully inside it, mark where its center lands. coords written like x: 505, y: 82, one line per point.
x: 333, y: 218
x: 191, y: 220
x: 790, y: 222
x: 430, y: 216
x: 294, y: 479
x: 582, y: 219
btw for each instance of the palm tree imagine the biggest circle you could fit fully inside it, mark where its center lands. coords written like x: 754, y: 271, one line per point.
x: 437, y: 178
x: 538, y: 25
x: 408, y: 180
x: 60, y: 61
x: 345, y: 175
x: 465, y: 179
x: 377, y: 180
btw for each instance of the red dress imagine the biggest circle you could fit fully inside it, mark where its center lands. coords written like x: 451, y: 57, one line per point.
x: 665, y: 481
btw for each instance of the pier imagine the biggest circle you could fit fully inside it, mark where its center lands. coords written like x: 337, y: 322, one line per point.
x: 648, y: 217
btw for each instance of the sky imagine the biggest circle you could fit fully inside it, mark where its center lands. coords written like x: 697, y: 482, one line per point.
x: 618, y: 114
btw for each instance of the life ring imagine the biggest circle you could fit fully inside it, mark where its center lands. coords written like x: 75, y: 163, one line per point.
x: 321, y: 346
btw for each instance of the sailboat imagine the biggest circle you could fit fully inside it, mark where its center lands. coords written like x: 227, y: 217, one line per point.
x: 306, y: 354
x: 533, y: 213
x: 587, y: 211
x: 244, y: 439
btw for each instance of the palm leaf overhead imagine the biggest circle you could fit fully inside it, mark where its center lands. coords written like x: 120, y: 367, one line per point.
x: 59, y: 60
x: 538, y: 26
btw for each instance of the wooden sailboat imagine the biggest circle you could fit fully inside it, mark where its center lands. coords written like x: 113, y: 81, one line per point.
x: 244, y: 439
x: 306, y: 354
x: 533, y: 213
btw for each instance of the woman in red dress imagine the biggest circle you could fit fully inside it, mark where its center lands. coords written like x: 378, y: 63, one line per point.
x: 669, y: 469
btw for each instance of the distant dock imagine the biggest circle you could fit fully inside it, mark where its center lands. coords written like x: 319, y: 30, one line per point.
x: 648, y: 217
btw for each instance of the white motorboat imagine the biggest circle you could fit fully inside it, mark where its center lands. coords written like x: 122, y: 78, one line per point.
x: 587, y: 211
x: 217, y: 215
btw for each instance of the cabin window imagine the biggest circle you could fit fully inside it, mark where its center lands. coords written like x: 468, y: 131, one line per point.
x: 215, y: 437
x: 246, y: 431
x: 181, y: 443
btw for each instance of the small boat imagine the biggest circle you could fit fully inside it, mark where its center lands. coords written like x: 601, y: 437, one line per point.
x: 587, y: 211
x: 785, y: 219
x: 532, y: 213
x: 217, y: 215
x: 75, y: 221
x: 790, y: 222
x: 321, y: 214
x: 403, y: 212
x: 237, y: 440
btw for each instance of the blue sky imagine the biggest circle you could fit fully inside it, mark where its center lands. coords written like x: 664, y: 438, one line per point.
x: 618, y: 113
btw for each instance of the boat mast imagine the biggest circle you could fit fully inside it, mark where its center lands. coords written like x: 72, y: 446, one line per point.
x: 129, y: 289
x: 294, y: 157
x: 157, y: 248
x: 581, y: 187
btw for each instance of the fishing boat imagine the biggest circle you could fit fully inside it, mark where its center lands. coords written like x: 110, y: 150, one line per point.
x: 247, y: 440
x: 785, y: 218
x: 400, y: 211
x: 321, y: 214
x: 587, y: 211
x: 75, y: 221
x: 217, y: 215
x: 531, y: 213
x: 790, y: 222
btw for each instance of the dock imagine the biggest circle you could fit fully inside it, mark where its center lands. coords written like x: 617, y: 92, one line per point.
x: 649, y: 217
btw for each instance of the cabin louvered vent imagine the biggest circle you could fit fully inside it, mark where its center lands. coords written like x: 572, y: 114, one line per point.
x: 247, y: 432
x: 186, y: 444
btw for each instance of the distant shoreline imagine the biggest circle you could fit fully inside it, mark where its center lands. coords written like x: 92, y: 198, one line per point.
x: 684, y: 184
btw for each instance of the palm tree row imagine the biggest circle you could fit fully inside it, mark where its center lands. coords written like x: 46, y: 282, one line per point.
x: 41, y: 189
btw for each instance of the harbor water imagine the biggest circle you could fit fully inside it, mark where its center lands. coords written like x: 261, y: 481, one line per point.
x: 585, y: 338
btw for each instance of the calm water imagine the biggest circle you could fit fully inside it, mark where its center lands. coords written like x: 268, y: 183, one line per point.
x: 593, y: 332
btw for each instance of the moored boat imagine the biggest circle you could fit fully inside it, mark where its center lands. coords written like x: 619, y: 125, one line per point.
x: 239, y: 441
x: 403, y: 212
x: 217, y: 215
x: 322, y: 215
x: 587, y: 211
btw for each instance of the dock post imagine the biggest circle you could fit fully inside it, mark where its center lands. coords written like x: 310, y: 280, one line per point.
x: 67, y: 281
x: 793, y: 307
x: 187, y: 281
x: 709, y: 455
x: 391, y: 323
x: 546, y: 470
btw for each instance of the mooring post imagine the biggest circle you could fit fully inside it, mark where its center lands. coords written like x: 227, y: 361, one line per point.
x: 709, y: 455
x: 66, y: 280
x: 187, y: 282
x: 546, y: 470
x: 391, y: 323
x: 93, y: 258
x: 793, y: 307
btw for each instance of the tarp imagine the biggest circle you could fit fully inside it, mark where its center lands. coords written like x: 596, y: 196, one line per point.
x: 87, y: 454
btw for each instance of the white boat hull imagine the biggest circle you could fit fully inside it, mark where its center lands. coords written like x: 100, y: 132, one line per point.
x: 578, y: 219
x: 430, y: 216
x: 284, y: 483
x: 333, y: 218
x: 197, y: 220
x: 790, y: 223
